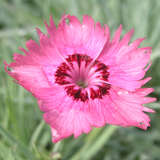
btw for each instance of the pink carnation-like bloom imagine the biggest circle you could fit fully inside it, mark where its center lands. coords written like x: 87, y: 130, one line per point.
x: 83, y: 79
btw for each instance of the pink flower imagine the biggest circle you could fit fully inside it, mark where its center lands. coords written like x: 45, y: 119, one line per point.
x: 83, y: 79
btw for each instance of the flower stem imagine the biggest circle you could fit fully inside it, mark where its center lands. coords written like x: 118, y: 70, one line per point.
x: 94, y: 144
x: 36, y: 133
x: 100, y: 142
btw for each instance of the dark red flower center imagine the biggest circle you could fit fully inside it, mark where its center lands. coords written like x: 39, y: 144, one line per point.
x: 82, y: 78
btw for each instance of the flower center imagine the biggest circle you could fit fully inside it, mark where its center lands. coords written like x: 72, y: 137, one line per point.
x: 82, y: 78
x: 82, y: 84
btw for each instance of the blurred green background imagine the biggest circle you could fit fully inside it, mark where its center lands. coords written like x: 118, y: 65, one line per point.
x: 23, y: 134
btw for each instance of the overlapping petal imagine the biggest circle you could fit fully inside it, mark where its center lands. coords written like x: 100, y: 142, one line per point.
x: 128, y: 63
x: 120, y: 107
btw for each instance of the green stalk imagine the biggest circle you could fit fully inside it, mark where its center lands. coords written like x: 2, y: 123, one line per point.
x: 100, y: 142
x: 37, y: 133
x: 88, y: 142
x: 94, y: 144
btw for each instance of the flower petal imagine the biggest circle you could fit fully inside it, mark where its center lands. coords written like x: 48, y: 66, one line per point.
x: 127, y: 63
x: 74, y: 37
x: 66, y: 116
x: 30, y: 77
x: 125, y: 109
x: 51, y: 29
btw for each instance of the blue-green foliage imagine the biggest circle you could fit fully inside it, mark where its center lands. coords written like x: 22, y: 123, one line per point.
x: 23, y: 134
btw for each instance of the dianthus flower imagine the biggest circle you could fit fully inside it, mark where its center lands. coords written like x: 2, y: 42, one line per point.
x: 83, y: 79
